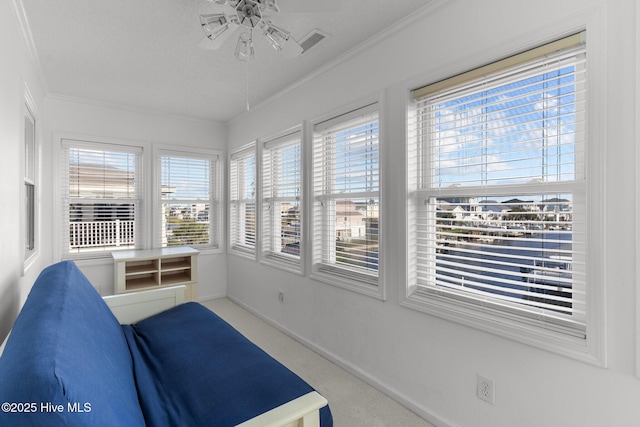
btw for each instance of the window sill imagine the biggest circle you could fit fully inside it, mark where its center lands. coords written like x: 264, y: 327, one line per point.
x: 243, y: 252
x: 372, y: 290
x: 292, y: 266
x: 578, y: 348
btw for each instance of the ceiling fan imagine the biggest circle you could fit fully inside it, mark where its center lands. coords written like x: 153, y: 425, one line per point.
x: 250, y: 15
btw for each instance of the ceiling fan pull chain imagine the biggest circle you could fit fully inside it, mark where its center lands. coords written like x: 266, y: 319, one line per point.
x: 248, y: 62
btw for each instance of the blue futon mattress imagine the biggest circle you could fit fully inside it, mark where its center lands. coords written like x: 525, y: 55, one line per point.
x: 231, y: 379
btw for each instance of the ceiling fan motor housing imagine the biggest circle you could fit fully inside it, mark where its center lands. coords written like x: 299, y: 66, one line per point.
x: 249, y: 13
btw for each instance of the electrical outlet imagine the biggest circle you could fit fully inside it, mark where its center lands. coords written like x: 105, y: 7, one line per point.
x: 281, y: 296
x: 486, y: 390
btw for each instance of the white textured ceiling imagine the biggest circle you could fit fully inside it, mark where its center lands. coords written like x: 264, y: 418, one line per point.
x: 145, y: 54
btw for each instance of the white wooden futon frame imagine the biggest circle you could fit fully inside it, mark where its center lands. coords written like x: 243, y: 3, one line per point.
x: 132, y: 307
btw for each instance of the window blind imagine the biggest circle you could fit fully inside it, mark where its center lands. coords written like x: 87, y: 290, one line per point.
x: 242, y: 185
x: 188, y: 200
x: 102, y: 195
x: 281, y: 197
x: 498, y: 168
x: 346, y: 192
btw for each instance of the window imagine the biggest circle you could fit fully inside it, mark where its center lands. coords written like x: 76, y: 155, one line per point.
x: 346, y: 199
x: 29, y: 198
x: 498, y: 193
x: 189, y: 199
x: 281, y: 200
x: 102, y: 196
x: 242, y: 203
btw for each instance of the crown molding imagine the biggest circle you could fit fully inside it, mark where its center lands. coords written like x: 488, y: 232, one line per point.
x: 27, y: 37
x: 127, y: 108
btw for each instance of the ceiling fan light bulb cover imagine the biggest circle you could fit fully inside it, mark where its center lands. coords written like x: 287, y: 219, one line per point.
x: 277, y: 36
x: 214, y: 24
x: 244, y: 48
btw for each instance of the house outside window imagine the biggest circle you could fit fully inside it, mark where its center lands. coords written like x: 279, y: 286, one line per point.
x: 102, y: 197
x: 497, y: 194
x: 346, y: 200
x: 242, y: 201
x: 189, y: 199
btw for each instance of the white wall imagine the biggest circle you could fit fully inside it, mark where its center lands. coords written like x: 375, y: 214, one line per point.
x: 428, y: 363
x: 69, y: 116
x: 18, y: 70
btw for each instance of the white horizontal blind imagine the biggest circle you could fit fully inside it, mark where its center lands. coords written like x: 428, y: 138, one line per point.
x: 514, y: 128
x: 346, y: 195
x: 188, y: 200
x: 281, y: 203
x: 242, y: 185
x: 102, y: 195
x: 498, y: 170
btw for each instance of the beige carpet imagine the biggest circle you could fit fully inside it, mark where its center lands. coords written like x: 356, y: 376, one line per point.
x: 353, y: 402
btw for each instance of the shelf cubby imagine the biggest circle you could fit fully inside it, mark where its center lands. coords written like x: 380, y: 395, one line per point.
x: 138, y: 270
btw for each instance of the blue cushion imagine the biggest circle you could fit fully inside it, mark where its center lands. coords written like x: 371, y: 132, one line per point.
x: 192, y: 368
x: 66, y: 348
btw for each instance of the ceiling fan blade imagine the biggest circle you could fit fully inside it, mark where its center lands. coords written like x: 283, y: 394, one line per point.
x: 309, y: 6
x: 291, y: 49
x: 208, y: 44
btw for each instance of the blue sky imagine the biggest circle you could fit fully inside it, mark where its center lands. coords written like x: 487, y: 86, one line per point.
x: 511, y: 133
x: 189, y: 176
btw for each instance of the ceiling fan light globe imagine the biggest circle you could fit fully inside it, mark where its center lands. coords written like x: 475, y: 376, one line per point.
x: 277, y: 36
x: 244, y: 48
x: 214, y: 24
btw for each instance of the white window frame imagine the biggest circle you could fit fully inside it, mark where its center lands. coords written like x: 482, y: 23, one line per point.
x: 238, y: 205
x: 590, y: 349
x: 271, y: 200
x: 30, y: 167
x: 215, y: 200
x: 142, y: 225
x: 324, y: 201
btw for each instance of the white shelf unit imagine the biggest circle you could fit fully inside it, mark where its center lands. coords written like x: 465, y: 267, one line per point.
x: 139, y: 270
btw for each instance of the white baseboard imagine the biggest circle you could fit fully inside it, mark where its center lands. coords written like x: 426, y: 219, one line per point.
x: 211, y: 297
x: 421, y: 411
